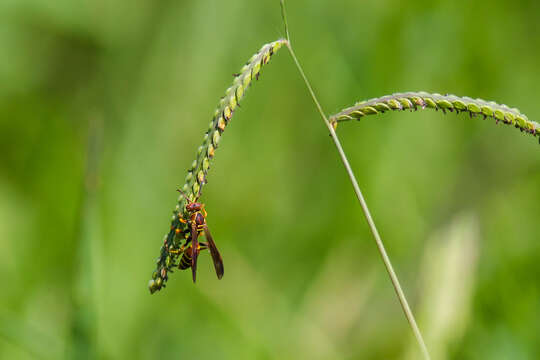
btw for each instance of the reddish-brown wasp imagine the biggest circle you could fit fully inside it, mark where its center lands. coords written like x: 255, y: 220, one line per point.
x: 197, y: 225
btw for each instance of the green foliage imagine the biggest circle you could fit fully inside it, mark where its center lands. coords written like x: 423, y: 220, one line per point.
x: 80, y: 220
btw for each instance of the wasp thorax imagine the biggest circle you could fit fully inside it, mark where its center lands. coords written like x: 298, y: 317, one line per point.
x: 199, y: 219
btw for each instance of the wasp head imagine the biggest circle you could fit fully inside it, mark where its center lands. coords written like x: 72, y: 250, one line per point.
x: 194, y: 207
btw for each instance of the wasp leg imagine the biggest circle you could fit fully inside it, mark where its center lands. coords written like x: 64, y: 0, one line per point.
x: 176, y: 252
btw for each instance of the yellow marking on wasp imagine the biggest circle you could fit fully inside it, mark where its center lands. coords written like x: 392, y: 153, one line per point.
x: 179, y: 251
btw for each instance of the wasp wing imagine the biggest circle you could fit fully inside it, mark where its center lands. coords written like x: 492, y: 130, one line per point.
x: 194, y: 249
x: 216, y: 256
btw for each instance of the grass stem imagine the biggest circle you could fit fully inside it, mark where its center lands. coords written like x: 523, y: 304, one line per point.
x: 393, y: 277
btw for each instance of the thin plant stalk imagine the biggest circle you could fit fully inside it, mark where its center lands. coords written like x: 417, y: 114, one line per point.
x: 393, y: 277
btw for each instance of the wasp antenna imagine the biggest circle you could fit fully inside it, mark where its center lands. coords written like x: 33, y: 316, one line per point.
x: 200, y: 190
x: 184, y: 195
x: 204, y: 181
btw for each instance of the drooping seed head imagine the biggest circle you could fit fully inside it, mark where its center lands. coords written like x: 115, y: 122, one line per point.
x: 196, y: 177
x: 423, y: 100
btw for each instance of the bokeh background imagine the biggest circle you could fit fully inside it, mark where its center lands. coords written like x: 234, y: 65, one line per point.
x: 102, y: 107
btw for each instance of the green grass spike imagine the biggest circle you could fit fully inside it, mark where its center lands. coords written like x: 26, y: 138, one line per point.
x: 171, y: 249
x: 423, y: 100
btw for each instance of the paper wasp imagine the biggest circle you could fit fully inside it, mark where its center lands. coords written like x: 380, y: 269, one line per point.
x: 196, y: 226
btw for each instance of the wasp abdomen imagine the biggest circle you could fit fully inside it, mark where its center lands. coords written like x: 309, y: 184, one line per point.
x: 185, y: 261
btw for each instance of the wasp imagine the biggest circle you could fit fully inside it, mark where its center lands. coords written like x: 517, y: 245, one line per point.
x: 197, y: 226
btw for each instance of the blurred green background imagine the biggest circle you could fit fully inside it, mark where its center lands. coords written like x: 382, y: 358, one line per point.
x: 102, y: 107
